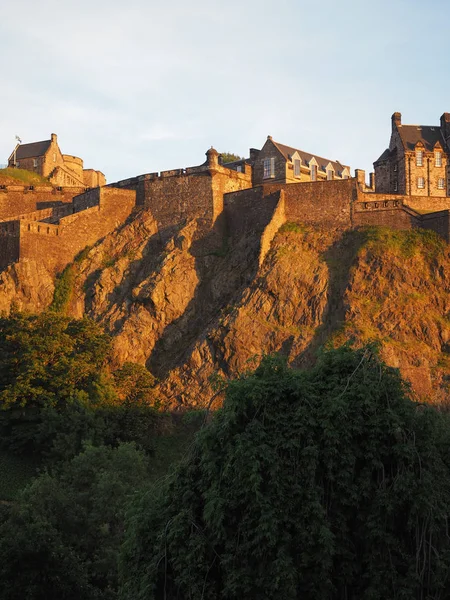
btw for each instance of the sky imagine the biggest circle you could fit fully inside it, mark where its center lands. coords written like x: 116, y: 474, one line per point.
x: 139, y: 86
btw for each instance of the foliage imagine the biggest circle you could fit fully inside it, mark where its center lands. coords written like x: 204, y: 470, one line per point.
x: 15, y: 473
x: 22, y: 176
x: 228, y: 157
x: 62, y: 295
x: 325, y: 484
x: 56, y: 391
x: 405, y: 243
x: 62, y: 537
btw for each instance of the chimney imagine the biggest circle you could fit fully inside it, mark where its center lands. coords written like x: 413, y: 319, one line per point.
x: 396, y: 120
x: 360, y: 175
x: 54, y: 138
x: 445, y: 126
x: 254, y: 154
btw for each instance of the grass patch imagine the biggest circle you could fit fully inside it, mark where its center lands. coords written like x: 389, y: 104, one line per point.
x: 64, y: 284
x: 82, y: 255
x: 63, y: 290
x: 21, y: 176
x: 15, y: 473
x: 293, y: 227
x: 405, y: 243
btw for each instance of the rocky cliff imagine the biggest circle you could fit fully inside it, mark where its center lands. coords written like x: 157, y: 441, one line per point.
x: 190, y: 307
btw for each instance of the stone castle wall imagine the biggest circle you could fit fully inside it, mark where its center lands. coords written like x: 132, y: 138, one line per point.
x: 18, y: 199
x: 52, y: 225
x: 326, y: 202
x: 56, y: 245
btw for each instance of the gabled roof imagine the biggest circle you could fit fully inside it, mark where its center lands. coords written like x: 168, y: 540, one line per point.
x: 385, y: 156
x: 32, y: 150
x: 288, y: 151
x: 427, y: 134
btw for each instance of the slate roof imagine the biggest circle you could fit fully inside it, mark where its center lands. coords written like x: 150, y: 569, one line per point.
x: 385, y: 156
x: 288, y: 151
x: 32, y: 150
x: 427, y: 134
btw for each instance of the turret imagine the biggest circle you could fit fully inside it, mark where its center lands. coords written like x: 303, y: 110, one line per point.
x: 212, y: 158
x: 396, y: 120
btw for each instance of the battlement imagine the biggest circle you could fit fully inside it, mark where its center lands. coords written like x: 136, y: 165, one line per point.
x: 53, y: 224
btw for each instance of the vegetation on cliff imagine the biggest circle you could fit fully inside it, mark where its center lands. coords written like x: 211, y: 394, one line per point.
x: 11, y: 176
x: 325, y: 484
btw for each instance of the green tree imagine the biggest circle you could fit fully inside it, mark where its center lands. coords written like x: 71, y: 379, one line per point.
x: 61, y: 539
x: 228, y: 157
x: 48, y: 362
x: 320, y: 485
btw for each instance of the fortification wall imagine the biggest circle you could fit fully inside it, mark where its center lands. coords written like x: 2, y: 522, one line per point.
x: 20, y: 200
x: 194, y: 192
x: 9, y: 243
x: 438, y: 222
x: 393, y: 217
x: 325, y: 202
x: 76, y: 231
x: 429, y: 203
x: 249, y: 212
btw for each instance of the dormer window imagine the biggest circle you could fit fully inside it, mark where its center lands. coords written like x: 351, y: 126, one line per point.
x: 297, y: 166
x: 438, y: 159
x: 419, y: 158
x: 269, y: 168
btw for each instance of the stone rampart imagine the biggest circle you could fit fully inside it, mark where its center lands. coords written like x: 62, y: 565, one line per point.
x: 57, y: 245
x: 181, y: 194
x: 20, y: 200
x: 438, y: 222
x: 325, y: 202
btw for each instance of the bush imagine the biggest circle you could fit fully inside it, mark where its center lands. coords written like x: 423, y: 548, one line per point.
x: 325, y: 484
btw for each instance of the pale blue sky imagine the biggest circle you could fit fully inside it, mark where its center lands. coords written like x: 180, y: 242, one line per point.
x: 143, y: 85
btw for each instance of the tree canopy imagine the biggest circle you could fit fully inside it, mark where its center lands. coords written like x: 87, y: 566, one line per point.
x: 57, y: 388
x: 61, y: 539
x: 228, y: 157
x: 326, y: 484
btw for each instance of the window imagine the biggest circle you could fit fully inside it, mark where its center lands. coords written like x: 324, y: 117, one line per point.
x: 395, y: 167
x: 269, y: 168
x: 330, y: 174
x: 441, y: 183
x: 17, y: 163
x: 438, y: 159
x: 419, y: 158
x: 420, y: 183
x: 35, y: 162
x: 239, y: 169
x: 296, y: 167
x: 313, y: 172
x: 395, y: 186
x: 54, y: 156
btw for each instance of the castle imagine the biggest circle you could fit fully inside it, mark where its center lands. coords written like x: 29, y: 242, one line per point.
x: 46, y: 159
x: 254, y: 196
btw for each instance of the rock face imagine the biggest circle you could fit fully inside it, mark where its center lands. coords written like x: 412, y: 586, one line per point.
x: 191, y: 308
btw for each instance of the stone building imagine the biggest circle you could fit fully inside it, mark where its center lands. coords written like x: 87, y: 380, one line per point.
x: 417, y: 160
x: 46, y: 159
x: 277, y: 163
